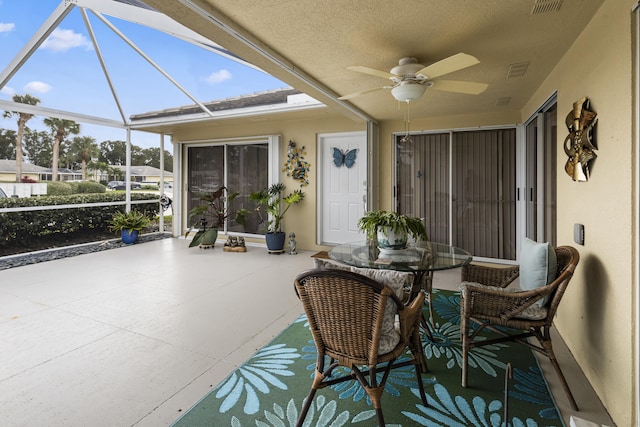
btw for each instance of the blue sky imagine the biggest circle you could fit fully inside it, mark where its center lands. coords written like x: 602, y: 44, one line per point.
x: 64, y: 73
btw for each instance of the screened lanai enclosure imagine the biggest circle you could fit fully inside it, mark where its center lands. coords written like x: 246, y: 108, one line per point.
x: 120, y: 38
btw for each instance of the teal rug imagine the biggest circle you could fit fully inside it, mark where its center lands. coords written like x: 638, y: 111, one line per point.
x: 268, y: 390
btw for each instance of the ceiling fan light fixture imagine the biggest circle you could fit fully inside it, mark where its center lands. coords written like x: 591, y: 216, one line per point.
x: 408, y: 92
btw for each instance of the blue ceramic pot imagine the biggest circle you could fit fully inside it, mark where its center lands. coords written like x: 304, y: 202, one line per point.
x: 129, y: 236
x: 275, y: 241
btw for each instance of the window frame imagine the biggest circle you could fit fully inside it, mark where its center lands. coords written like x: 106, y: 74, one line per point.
x: 274, y: 155
x: 450, y: 133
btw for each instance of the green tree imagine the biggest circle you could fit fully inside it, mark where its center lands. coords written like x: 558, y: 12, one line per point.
x: 137, y: 156
x: 60, y: 128
x: 113, y: 173
x: 84, y: 149
x: 115, y: 153
x: 112, y: 152
x: 23, y: 118
x: 7, y: 144
x: 116, y: 174
x: 38, y: 147
x: 152, y: 158
x: 66, y: 159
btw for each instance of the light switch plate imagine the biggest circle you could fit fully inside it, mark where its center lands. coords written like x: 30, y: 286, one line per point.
x: 578, y: 234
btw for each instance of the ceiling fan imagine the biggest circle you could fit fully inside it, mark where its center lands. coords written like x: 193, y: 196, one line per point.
x: 411, y: 78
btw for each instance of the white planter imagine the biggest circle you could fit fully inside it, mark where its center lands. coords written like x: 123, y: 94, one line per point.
x: 389, y: 239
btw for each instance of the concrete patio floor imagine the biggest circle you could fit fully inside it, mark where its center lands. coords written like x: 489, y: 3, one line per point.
x: 135, y: 336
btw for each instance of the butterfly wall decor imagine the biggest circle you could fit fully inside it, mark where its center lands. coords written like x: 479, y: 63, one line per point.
x: 344, y: 157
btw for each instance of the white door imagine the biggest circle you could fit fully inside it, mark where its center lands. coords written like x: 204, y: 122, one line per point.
x: 342, y: 163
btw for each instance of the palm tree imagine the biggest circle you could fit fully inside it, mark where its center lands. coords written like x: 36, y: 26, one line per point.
x: 23, y: 118
x: 60, y: 128
x: 84, y: 148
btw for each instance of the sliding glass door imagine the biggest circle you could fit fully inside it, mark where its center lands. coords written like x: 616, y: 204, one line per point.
x: 539, y: 193
x: 423, y: 182
x: 464, y: 185
x: 240, y: 167
x: 484, y: 188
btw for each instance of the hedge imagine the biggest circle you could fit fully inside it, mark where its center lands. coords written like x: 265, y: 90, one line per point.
x: 21, y: 228
x: 61, y: 188
x: 85, y: 187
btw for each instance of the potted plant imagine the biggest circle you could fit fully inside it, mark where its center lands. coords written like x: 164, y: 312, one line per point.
x: 276, y: 204
x: 391, y: 229
x: 129, y: 224
x: 216, y: 210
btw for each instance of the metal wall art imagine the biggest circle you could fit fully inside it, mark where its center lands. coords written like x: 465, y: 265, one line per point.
x: 346, y: 157
x: 578, y: 145
x: 296, y: 166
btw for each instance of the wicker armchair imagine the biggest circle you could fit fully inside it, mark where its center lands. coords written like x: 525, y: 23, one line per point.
x: 346, y: 314
x: 485, y: 302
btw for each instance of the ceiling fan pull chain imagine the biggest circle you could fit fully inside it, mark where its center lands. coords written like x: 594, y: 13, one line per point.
x: 407, y: 137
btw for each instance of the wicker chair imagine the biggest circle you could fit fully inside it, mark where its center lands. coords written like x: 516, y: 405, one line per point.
x: 489, y: 305
x: 345, y: 311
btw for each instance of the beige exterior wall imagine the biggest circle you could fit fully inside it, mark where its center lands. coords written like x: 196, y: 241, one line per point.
x: 11, y: 177
x: 302, y: 218
x: 8, y: 177
x: 596, y: 318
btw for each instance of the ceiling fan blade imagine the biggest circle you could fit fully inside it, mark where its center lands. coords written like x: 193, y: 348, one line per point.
x: 471, y: 88
x: 372, y: 72
x: 353, y: 95
x: 448, y: 65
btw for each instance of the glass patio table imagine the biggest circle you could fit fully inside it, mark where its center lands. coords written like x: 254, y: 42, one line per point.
x: 421, y: 260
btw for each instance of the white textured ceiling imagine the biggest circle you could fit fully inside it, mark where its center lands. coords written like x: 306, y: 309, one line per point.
x: 320, y: 39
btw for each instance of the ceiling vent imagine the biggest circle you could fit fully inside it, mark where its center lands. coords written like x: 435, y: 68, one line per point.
x: 544, y: 6
x: 517, y: 70
x: 501, y: 102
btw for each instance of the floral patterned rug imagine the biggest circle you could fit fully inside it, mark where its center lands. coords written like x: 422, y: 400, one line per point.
x: 268, y: 390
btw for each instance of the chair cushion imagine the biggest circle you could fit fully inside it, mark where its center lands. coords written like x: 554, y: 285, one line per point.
x: 538, y: 266
x: 396, y: 280
x: 533, y: 312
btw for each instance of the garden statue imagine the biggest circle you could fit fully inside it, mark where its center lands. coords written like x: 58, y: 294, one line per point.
x: 292, y: 243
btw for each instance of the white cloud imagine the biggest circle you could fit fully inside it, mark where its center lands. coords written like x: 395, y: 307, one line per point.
x: 63, y: 40
x: 8, y: 91
x: 218, y: 76
x: 6, y: 27
x: 37, y: 87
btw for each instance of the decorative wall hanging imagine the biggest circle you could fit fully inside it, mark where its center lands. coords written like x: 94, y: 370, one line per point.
x: 578, y: 145
x: 346, y: 157
x: 295, y: 166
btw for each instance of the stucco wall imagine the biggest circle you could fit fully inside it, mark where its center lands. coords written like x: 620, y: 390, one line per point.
x: 302, y: 218
x: 597, y: 312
